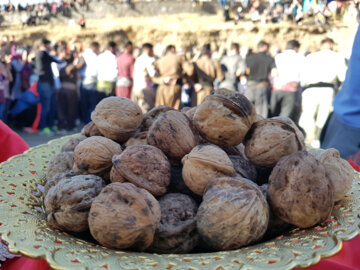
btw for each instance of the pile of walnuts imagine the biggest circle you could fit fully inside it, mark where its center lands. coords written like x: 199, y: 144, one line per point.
x: 215, y: 177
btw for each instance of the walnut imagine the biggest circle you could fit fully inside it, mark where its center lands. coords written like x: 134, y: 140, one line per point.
x: 224, y: 118
x: 70, y: 145
x: 117, y: 118
x: 299, y: 191
x: 190, y: 113
x: 68, y: 202
x: 60, y: 163
x: 177, y: 230
x: 174, y: 134
x: 244, y: 167
x: 138, y: 139
x: 204, y: 163
x: 94, y: 155
x: 50, y: 182
x: 152, y: 115
x: 90, y: 129
x: 233, y: 214
x: 269, y: 140
x: 120, y: 218
x: 338, y: 170
x: 145, y: 166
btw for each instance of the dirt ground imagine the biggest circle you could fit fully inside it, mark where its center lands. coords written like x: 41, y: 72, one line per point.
x: 187, y: 29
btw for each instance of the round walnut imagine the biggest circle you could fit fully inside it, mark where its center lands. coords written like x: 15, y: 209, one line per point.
x: 338, y: 170
x: 68, y: 203
x: 177, y: 230
x: 224, y: 118
x: 190, y: 113
x: 120, y: 218
x: 60, y: 163
x: 233, y: 214
x: 90, y: 129
x: 152, y: 115
x: 174, y: 134
x: 117, y: 118
x: 50, y: 182
x: 70, y: 145
x: 143, y: 165
x: 299, y: 191
x: 269, y: 140
x: 138, y: 139
x: 94, y: 155
x: 204, y: 163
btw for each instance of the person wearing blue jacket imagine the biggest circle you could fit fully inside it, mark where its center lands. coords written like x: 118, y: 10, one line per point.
x: 343, y: 132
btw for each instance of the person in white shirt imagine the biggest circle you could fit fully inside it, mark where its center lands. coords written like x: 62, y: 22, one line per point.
x: 286, y: 96
x: 321, y: 71
x: 107, y: 70
x: 144, y: 69
x: 88, y: 93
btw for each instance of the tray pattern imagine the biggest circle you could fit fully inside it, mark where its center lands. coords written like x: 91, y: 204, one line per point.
x: 23, y: 226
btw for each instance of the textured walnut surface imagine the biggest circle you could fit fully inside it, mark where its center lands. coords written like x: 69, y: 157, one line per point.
x: 90, y: 129
x: 338, y: 170
x: 174, y: 134
x: 94, y: 155
x: 120, y: 218
x: 151, y: 116
x: 204, y: 163
x: 176, y: 232
x: 68, y: 202
x: 117, y: 118
x: 233, y: 214
x: 244, y: 167
x: 70, y: 145
x: 299, y: 191
x: 145, y: 166
x: 60, y: 163
x: 224, y: 119
x: 269, y: 140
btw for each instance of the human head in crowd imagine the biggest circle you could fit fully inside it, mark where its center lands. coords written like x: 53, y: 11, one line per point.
x: 235, y: 48
x: 263, y: 46
x: 293, y: 45
x: 112, y: 47
x: 206, y: 50
x: 327, y: 44
x: 129, y: 47
x: 147, y: 48
x: 45, y: 44
x: 95, y: 47
x: 170, y: 49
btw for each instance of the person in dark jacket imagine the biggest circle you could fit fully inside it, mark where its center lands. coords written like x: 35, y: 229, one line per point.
x: 46, y: 87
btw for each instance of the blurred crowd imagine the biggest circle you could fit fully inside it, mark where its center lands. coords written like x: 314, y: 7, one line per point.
x: 54, y: 87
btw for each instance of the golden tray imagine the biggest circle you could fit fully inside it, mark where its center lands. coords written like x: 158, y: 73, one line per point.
x: 23, y: 227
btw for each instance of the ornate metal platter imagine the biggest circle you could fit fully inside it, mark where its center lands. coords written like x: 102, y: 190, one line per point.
x: 23, y: 227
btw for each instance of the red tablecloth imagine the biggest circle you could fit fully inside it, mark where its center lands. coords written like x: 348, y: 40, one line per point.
x: 11, y: 144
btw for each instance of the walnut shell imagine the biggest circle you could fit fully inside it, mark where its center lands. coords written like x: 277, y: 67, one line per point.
x: 269, y: 140
x: 120, y: 218
x: 299, y: 191
x: 60, y: 163
x: 138, y: 139
x: 174, y: 134
x: 224, y: 119
x: 244, y: 167
x: 94, y: 155
x: 50, y: 182
x: 70, y: 145
x: 90, y: 129
x: 204, y: 163
x: 338, y: 170
x: 233, y: 214
x: 191, y: 112
x: 68, y: 202
x: 152, y: 115
x: 145, y: 166
x: 177, y: 230
x: 117, y: 118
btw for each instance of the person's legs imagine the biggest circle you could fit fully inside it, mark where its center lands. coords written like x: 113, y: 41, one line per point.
x: 62, y: 109
x: 325, y: 107
x: 288, y: 105
x: 53, y: 108
x: 45, y: 100
x: 310, y: 103
x: 2, y: 106
x: 275, y: 103
x: 72, y: 101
